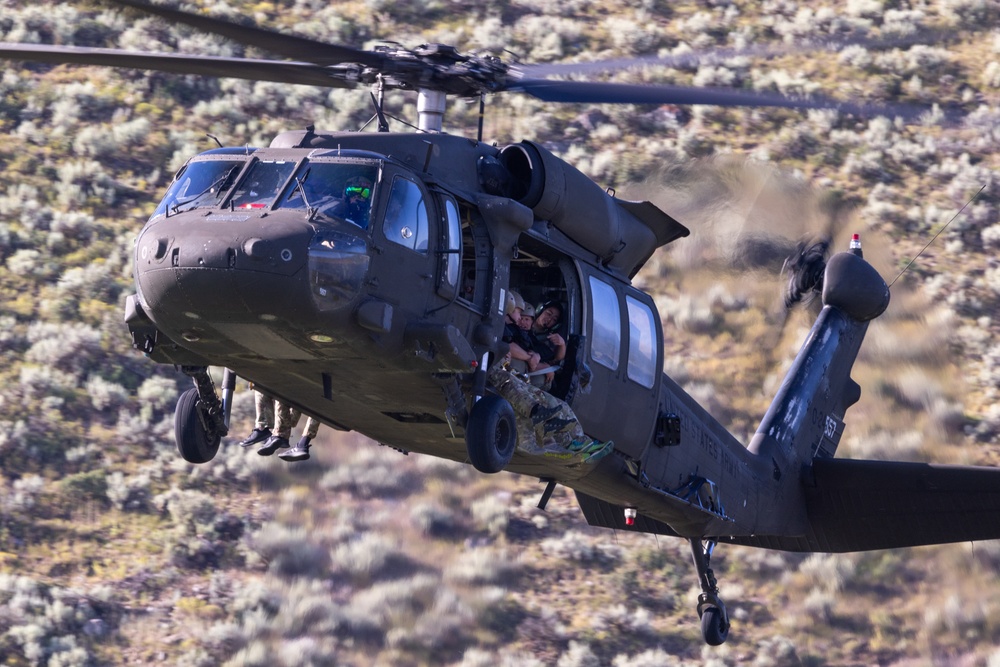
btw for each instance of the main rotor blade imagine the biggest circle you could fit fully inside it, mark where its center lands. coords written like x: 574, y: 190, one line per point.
x: 290, y: 46
x: 281, y: 71
x: 715, y: 56
x: 593, y: 92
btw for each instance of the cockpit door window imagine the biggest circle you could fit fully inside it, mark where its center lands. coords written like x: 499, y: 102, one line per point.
x: 406, y: 215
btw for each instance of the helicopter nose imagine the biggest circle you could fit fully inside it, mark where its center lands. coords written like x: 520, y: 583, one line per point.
x: 217, y: 271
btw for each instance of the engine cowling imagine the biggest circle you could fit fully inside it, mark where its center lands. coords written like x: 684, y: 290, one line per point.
x: 622, y: 234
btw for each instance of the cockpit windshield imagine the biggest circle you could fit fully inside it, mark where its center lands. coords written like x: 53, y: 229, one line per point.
x: 262, y: 184
x: 333, y: 190
x: 198, y: 185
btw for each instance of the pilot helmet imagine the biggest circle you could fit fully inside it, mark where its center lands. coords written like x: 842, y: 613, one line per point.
x: 358, y: 186
x: 528, y: 310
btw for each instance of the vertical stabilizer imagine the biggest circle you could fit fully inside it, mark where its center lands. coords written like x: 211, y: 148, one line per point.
x: 806, y: 418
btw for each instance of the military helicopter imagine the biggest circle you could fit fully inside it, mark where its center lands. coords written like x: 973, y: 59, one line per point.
x: 385, y: 317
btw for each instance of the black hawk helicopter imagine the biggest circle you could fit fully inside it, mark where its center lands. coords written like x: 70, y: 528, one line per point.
x: 384, y: 319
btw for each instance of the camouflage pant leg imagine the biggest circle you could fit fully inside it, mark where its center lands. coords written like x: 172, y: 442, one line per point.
x: 551, y: 421
x: 312, y: 428
x: 286, y: 418
x: 264, y: 407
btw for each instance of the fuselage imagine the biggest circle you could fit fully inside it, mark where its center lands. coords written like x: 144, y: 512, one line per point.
x: 382, y: 315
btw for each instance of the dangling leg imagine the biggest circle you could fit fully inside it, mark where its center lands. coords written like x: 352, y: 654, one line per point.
x: 282, y: 429
x: 300, y: 452
x: 264, y: 408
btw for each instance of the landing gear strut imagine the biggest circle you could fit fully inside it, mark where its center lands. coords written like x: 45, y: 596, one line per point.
x: 201, y: 419
x: 711, y: 610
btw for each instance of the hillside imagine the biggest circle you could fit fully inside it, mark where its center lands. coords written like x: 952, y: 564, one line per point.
x: 115, y: 551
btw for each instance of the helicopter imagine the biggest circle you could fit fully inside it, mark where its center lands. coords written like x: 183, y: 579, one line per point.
x: 385, y: 320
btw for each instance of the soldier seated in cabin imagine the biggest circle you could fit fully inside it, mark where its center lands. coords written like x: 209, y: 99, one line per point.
x: 524, y: 359
x: 546, y: 341
x: 527, y: 317
x: 546, y: 425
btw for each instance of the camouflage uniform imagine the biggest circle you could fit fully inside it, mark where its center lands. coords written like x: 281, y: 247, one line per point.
x: 288, y: 418
x: 265, y: 411
x: 545, y: 424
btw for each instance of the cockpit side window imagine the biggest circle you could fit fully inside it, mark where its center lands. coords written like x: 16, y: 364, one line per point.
x: 333, y: 190
x: 406, y: 215
x: 262, y: 184
x: 199, y: 185
x: 642, y: 347
x: 605, y: 346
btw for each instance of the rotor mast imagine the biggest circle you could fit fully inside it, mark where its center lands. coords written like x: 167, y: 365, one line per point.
x: 430, y: 110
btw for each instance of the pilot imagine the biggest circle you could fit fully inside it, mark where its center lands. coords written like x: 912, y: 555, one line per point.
x: 545, y: 424
x: 356, y: 205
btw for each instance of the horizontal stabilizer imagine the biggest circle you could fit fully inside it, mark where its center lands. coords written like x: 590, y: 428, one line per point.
x: 602, y: 513
x: 857, y: 505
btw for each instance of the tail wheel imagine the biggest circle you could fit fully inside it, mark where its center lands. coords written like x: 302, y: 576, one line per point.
x: 491, y: 434
x: 194, y: 442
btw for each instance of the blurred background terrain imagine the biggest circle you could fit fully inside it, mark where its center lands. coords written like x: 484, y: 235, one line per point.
x: 115, y: 551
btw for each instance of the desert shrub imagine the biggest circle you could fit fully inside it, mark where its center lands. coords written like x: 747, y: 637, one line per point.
x: 23, y: 494
x: 129, y: 493
x: 483, y: 565
x: 440, y: 629
x: 433, y: 520
x: 46, y: 624
x: 368, y: 557
x: 79, y: 181
x: 654, y: 657
x: 577, y: 546
x: 288, y: 550
x: 85, y: 486
x: 961, y: 616
x: 579, y: 654
x: 67, y: 347
x: 492, y: 513
x: 372, y: 472
x: 777, y: 652
x: 619, y: 619
x: 105, y: 395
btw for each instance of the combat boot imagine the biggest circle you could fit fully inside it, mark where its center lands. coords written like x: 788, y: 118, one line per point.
x: 273, y: 444
x: 256, y: 435
x: 300, y: 452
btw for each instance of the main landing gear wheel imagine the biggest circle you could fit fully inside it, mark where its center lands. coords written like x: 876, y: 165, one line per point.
x: 194, y: 442
x: 491, y: 434
x: 714, y: 625
x: 712, y: 611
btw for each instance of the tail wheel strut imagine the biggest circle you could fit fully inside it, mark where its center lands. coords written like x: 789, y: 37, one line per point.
x: 711, y: 610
